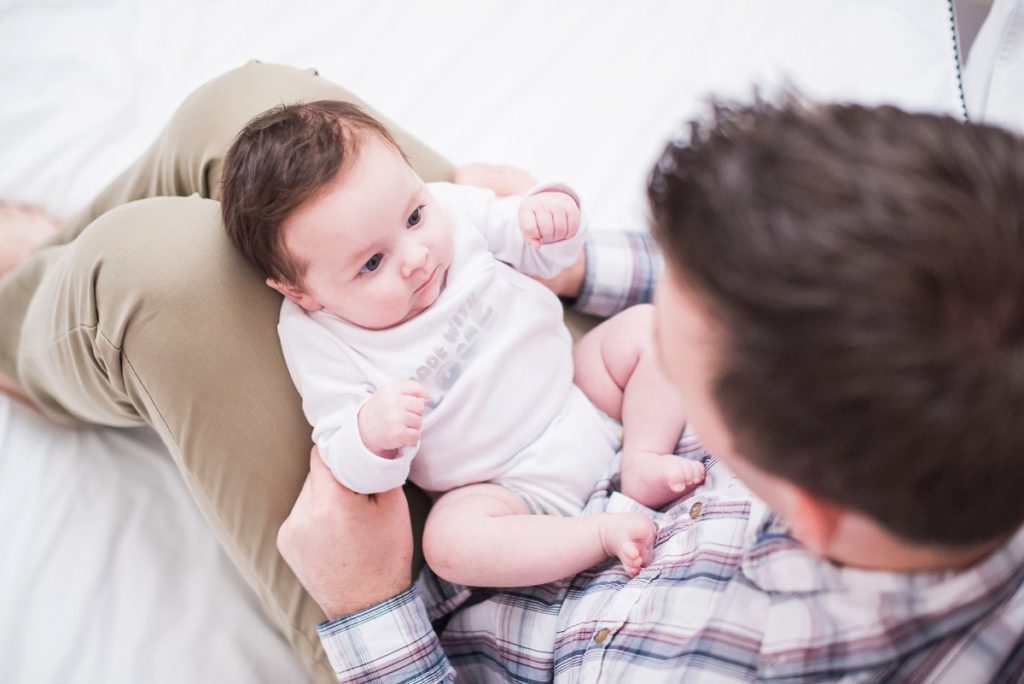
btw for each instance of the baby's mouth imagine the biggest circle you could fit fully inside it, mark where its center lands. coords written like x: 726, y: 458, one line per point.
x: 425, y: 283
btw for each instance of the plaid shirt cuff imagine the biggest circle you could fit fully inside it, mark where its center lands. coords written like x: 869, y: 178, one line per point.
x: 622, y: 269
x: 389, y: 641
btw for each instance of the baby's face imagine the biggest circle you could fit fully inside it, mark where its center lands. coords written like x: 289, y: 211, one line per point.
x: 375, y: 244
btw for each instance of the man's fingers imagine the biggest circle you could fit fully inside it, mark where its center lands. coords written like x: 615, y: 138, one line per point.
x: 321, y: 480
x: 286, y: 528
x: 286, y: 532
x: 316, y: 464
x: 317, y: 467
x: 306, y: 484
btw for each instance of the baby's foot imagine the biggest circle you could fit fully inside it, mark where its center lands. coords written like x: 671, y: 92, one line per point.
x: 630, y: 537
x: 655, y: 479
x: 23, y: 228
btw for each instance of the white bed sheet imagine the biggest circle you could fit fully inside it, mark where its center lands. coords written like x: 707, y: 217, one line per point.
x: 108, y: 572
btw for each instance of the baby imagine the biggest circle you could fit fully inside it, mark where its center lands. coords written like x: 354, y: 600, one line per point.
x: 423, y: 352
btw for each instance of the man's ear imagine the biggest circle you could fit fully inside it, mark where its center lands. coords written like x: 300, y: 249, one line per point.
x: 295, y: 293
x: 812, y: 520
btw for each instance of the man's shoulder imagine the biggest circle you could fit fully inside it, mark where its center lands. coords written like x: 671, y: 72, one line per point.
x: 917, y: 625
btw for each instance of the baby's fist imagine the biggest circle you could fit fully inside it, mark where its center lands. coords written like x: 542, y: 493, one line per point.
x: 392, y: 417
x: 548, y: 217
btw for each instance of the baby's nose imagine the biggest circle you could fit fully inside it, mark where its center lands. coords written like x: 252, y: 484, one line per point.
x: 415, y: 259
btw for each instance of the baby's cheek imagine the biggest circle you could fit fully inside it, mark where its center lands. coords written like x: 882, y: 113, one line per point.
x: 394, y: 302
x: 447, y: 241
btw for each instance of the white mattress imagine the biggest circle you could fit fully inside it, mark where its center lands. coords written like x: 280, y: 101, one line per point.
x: 108, y: 573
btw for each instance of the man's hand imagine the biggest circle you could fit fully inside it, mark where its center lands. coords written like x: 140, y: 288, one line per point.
x: 548, y: 217
x: 348, y: 550
x: 568, y: 283
x: 392, y: 417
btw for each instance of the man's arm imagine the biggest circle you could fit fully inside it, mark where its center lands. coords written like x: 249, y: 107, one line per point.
x: 353, y: 554
x: 389, y: 641
x: 615, y: 270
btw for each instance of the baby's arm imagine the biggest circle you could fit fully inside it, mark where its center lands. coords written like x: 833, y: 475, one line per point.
x: 548, y: 217
x: 338, y: 400
x: 392, y: 417
x: 550, y: 214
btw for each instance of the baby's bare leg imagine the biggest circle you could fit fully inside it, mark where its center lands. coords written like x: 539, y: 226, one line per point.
x: 23, y: 229
x: 617, y: 368
x: 485, y: 536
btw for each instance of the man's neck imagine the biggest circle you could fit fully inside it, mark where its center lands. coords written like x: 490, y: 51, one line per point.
x: 870, y: 547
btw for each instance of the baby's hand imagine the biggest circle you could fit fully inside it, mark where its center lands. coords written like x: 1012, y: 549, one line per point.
x: 392, y: 417
x: 548, y: 217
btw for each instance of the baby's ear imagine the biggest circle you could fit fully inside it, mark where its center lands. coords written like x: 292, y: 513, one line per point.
x: 294, y: 293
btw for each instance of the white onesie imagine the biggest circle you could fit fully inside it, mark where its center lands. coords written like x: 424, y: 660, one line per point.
x: 494, y: 355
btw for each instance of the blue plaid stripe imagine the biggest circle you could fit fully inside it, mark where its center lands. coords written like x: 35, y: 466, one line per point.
x: 391, y: 641
x: 622, y: 269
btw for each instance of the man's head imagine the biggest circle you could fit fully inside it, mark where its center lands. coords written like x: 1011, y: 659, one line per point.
x: 844, y: 310
x: 319, y: 197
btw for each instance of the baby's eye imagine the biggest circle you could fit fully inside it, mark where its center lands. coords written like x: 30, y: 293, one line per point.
x: 372, y: 264
x: 414, y: 218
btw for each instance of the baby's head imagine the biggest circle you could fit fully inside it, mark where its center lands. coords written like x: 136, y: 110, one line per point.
x: 321, y: 199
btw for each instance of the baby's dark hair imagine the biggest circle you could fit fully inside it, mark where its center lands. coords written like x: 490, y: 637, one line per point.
x: 865, y: 267
x: 282, y: 159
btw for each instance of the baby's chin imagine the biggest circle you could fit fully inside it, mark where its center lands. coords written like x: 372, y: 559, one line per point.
x: 434, y: 291
x: 427, y: 305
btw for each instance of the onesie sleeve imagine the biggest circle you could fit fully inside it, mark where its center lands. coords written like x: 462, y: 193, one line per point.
x: 498, y: 222
x: 332, y: 393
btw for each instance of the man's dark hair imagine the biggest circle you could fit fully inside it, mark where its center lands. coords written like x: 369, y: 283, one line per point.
x: 865, y: 267
x: 282, y: 159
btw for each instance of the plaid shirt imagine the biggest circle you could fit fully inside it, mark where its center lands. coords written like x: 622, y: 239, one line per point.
x: 622, y: 269
x: 729, y: 595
